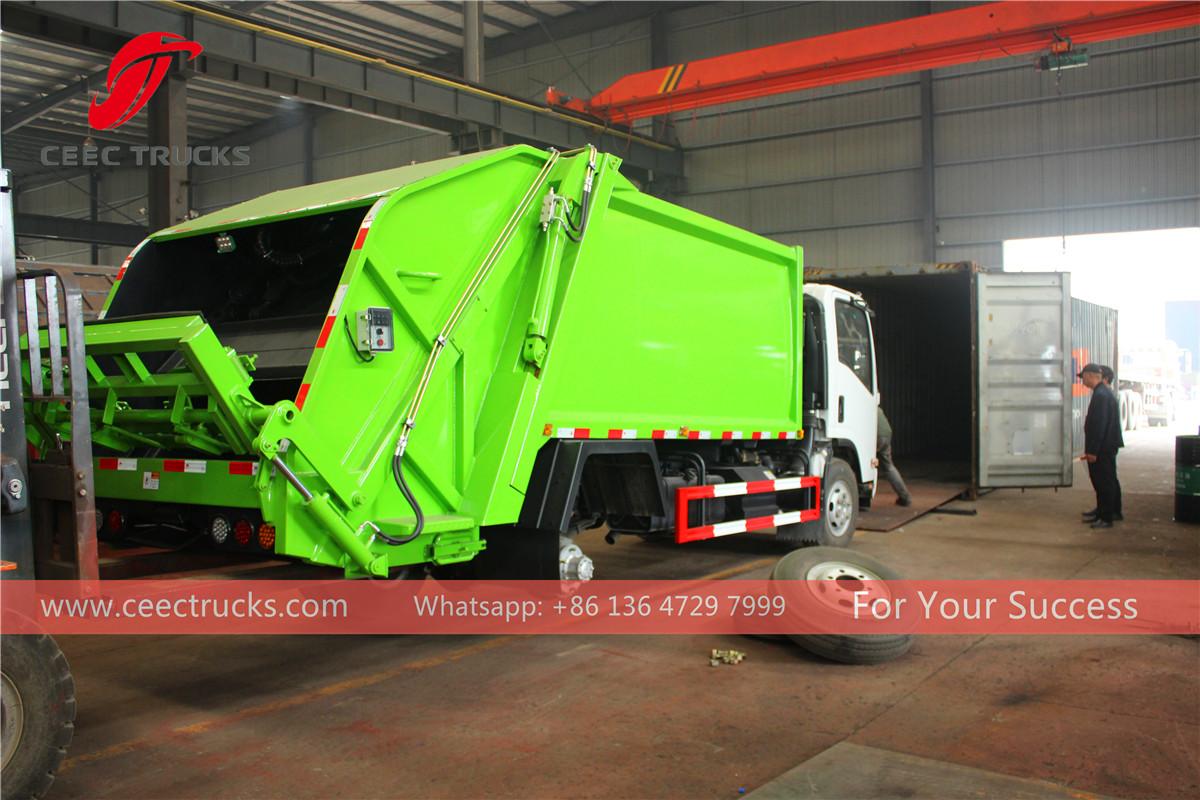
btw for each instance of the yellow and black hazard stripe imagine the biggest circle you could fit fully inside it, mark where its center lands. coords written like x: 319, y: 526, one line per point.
x: 671, y: 79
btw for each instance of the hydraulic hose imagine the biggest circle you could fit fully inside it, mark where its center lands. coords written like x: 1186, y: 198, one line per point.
x: 398, y: 475
x: 584, y: 202
x: 443, y: 337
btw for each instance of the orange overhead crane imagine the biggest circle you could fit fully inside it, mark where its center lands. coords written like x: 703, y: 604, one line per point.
x: 977, y: 33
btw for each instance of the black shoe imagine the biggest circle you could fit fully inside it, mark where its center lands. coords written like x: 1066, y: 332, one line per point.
x: 904, y: 501
x: 1101, y: 523
x: 1118, y: 517
x: 1095, y: 512
x: 1091, y: 517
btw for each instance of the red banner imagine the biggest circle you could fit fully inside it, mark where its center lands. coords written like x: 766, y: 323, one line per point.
x: 600, y: 607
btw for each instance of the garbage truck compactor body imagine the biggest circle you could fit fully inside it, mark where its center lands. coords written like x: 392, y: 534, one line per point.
x: 471, y: 360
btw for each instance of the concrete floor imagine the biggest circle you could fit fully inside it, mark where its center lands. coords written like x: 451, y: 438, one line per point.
x: 634, y: 717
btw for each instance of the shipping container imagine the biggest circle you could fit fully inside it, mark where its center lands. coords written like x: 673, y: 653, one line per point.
x: 974, y: 370
x: 1093, y: 340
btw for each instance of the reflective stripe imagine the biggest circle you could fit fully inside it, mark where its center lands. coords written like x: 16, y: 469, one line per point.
x: 787, y: 518
x: 726, y: 528
x: 334, y: 308
x: 686, y: 494
x: 682, y: 432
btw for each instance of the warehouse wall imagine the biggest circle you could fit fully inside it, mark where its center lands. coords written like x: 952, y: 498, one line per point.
x: 1115, y: 146
x: 122, y: 199
x: 342, y: 145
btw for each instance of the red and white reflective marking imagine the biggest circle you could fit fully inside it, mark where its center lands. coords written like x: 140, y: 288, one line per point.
x: 684, y: 496
x: 666, y: 433
x: 569, y: 433
x: 334, y: 308
x: 121, y: 271
x: 196, y: 467
x: 190, y: 466
x: 302, y: 395
x: 361, y: 238
x: 119, y: 464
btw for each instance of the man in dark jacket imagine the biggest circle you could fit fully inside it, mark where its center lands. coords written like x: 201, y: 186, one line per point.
x: 1101, y: 440
x: 1106, y: 372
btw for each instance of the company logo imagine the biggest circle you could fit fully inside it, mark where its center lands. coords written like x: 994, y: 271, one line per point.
x: 134, y: 74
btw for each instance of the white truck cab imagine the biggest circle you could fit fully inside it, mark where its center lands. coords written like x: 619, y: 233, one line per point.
x: 841, y: 397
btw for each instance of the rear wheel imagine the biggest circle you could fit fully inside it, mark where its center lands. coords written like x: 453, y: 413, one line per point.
x: 839, y: 512
x: 834, y: 575
x: 37, y: 714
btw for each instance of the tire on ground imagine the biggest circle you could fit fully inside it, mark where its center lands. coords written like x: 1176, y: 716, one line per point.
x: 836, y: 526
x: 846, y: 648
x: 35, y: 669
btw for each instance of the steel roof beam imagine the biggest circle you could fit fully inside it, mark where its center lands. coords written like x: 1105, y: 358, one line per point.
x: 44, y: 226
x: 364, y: 26
x: 417, y: 17
x: 596, y: 17
x: 502, y: 24
x: 528, y: 9
x: 250, y: 56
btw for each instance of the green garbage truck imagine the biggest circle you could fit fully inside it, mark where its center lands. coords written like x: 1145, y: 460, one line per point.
x: 462, y: 364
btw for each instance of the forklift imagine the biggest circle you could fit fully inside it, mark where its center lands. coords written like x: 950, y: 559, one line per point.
x: 48, y: 529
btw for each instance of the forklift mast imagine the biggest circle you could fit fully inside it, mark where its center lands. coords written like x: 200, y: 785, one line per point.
x: 49, y: 510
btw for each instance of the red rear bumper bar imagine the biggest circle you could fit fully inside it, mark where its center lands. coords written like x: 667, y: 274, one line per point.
x: 689, y: 493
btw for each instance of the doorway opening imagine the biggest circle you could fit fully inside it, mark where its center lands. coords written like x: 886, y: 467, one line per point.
x: 1152, y: 280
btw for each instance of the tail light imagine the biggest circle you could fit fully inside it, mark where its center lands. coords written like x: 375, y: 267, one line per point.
x: 242, y: 532
x: 266, y: 536
x: 114, y: 522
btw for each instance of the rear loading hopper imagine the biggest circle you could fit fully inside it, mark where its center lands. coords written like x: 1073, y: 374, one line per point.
x: 368, y: 373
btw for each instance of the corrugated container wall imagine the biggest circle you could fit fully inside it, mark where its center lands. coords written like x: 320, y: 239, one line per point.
x: 1093, y: 340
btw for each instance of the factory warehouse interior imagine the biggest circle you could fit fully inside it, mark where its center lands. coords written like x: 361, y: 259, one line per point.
x: 555, y: 400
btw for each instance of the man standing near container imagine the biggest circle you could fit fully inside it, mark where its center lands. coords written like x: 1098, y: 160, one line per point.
x: 1102, y: 439
x: 1106, y: 372
x: 883, y: 456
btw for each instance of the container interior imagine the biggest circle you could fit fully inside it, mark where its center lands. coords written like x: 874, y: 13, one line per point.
x: 923, y: 332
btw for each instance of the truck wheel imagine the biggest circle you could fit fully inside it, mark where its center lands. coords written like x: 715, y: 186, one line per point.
x: 827, y: 564
x: 839, y: 512
x: 37, y: 713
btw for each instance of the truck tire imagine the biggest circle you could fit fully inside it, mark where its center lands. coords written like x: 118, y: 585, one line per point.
x: 839, y: 512
x: 38, y: 714
x: 827, y: 563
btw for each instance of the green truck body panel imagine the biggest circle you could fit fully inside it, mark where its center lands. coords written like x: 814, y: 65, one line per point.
x: 659, y: 320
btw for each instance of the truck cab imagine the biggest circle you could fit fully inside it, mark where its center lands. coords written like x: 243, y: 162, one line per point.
x: 841, y: 395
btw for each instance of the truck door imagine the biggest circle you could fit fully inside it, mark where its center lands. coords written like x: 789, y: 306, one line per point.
x: 853, y: 395
x: 1023, y: 352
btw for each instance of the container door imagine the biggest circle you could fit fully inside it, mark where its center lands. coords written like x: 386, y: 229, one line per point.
x: 1024, y: 378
